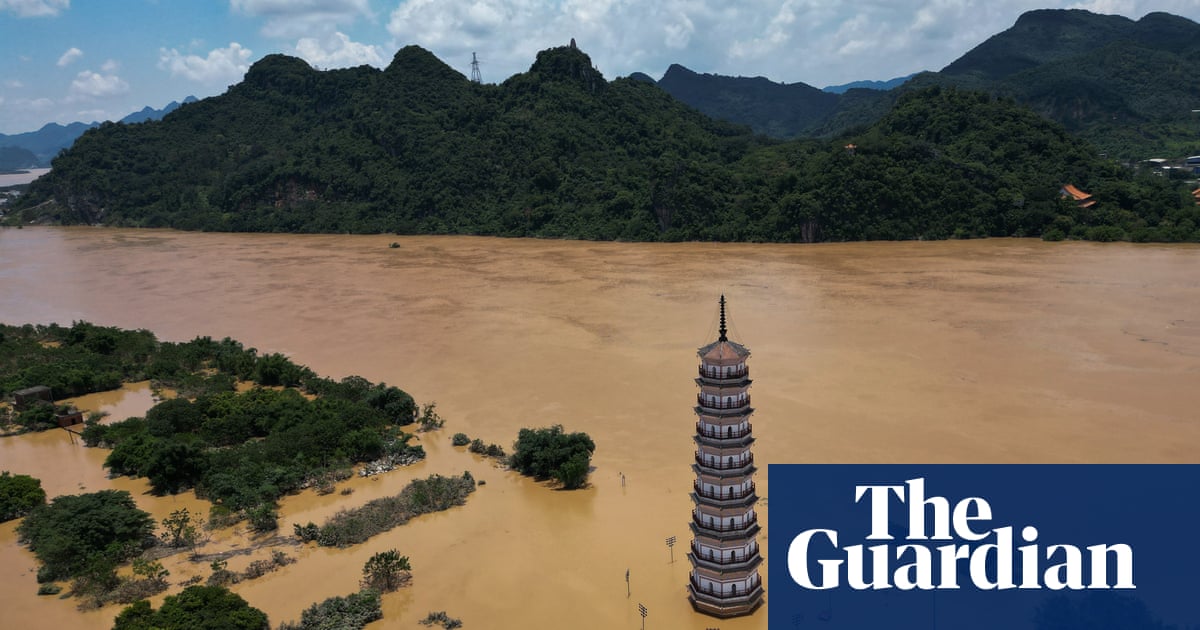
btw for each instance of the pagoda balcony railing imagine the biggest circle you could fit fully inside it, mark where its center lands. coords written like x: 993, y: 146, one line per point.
x: 716, y: 403
x: 711, y: 558
x: 729, y: 433
x: 730, y: 494
x: 721, y: 374
x: 716, y: 526
x: 753, y: 592
x: 717, y: 464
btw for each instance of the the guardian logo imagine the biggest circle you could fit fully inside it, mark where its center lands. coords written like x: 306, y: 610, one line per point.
x: 943, y: 546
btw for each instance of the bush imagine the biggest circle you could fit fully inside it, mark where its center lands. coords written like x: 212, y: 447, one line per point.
x: 460, y: 439
x: 1053, y: 234
x: 196, y: 608
x: 430, y: 419
x: 550, y: 453
x: 420, y: 496
x: 386, y: 571
x: 351, y: 612
x: 19, y: 494
x: 263, y: 518
x: 440, y: 617
x: 68, y: 534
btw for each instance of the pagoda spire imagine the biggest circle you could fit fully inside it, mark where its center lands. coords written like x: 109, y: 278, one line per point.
x: 723, y: 337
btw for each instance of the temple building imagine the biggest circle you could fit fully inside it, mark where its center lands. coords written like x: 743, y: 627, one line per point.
x: 724, y: 554
x: 1081, y: 199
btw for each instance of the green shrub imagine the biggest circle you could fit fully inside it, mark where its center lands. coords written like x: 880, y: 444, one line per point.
x: 19, y: 494
x: 351, y: 612
x: 420, y: 496
x: 550, y: 453
x: 73, y: 532
x: 460, y: 439
x: 196, y: 608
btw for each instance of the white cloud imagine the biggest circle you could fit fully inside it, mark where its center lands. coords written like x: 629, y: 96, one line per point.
x: 92, y: 114
x: 96, y: 85
x: 110, y: 65
x: 35, y: 8
x: 296, y: 18
x: 222, y: 65
x: 13, y: 84
x: 69, y: 57
x: 337, y: 51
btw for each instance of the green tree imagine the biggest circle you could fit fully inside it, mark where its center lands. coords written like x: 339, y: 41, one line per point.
x: 179, y: 530
x: 550, y: 453
x: 196, y: 608
x: 151, y: 570
x: 573, y: 473
x: 70, y: 531
x: 351, y: 612
x: 386, y: 571
x: 18, y: 495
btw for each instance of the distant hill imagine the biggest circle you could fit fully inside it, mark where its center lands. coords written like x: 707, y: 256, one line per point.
x: 149, y: 113
x: 559, y: 151
x: 47, y: 142
x: 1126, y: 86
x: 868, y: 85
x: 780, y: 110
x: 16, y: 158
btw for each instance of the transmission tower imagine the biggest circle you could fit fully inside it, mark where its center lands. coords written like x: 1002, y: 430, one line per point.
x: 475, y: 76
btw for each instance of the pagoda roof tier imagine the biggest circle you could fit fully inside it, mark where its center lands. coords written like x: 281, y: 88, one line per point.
x: 708, y: 500
x: 721, y: 383
x: 724, y: 413
x: 723, y: 352
x: 724, y: 567
x: 714, y: 476
x: 727, y: 606
x: 724, y: 442
x: 726, y: 450
x: 717, y: 534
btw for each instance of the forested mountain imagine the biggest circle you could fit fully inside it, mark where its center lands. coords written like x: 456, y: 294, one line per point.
x: 779, y: 110
x: 47, y: 142
x: 1129, y: 87
x: 559, y: 151
x: 149, y: 113
x: 14, y: 158
x: 868, y: 85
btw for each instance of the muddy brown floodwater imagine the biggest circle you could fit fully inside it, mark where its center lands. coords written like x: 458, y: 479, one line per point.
x: 967, y: 351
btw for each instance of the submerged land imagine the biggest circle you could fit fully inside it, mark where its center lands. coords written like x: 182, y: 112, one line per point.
x: 999, y: 350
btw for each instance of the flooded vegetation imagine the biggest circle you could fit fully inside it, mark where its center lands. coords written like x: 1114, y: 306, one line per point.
x: 957, y: 351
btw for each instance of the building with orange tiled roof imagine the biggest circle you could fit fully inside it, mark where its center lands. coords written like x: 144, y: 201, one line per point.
x: 1196, y: 196
x: 1084, y: 200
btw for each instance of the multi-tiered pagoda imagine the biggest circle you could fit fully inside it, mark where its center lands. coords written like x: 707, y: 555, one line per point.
x: 724, y: 554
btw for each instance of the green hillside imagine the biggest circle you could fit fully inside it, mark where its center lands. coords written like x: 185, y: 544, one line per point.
x: 1128, y: 87
x: 559, y: 151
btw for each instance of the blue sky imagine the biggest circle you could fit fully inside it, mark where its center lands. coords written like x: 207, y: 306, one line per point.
x: 69, y: 60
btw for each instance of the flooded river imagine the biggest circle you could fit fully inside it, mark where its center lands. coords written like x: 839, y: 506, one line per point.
x: 975, y: 351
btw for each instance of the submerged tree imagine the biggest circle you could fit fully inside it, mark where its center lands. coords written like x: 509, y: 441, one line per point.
x: 386, y: 571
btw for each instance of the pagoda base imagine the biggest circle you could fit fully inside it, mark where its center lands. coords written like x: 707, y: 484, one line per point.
x: 725, y: 607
